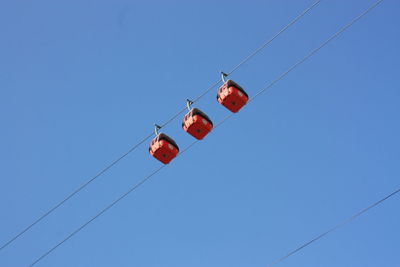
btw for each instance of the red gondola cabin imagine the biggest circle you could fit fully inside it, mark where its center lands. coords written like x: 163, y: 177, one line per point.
x: 163, y: 148
x: 232, y: 96
x: 197, y: 124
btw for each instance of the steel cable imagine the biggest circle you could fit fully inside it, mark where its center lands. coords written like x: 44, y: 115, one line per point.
x: 358, y: 214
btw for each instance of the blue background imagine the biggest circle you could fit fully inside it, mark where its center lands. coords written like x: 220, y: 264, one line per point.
x: 82, y: 81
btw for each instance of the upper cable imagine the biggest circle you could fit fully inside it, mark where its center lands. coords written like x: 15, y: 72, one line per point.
x: 144, y: 139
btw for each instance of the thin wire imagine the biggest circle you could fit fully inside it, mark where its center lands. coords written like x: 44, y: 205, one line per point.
x: 348, y: 220
x: 151, y: 134
x: 217, y: 125
x: 273, y: 38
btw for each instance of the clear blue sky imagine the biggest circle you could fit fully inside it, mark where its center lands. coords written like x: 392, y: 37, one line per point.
x: 82, y: 81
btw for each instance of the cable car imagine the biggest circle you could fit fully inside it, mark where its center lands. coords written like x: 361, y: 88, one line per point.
x: 196, y: 123
x: 232, y: 96
x: 163, y: 148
